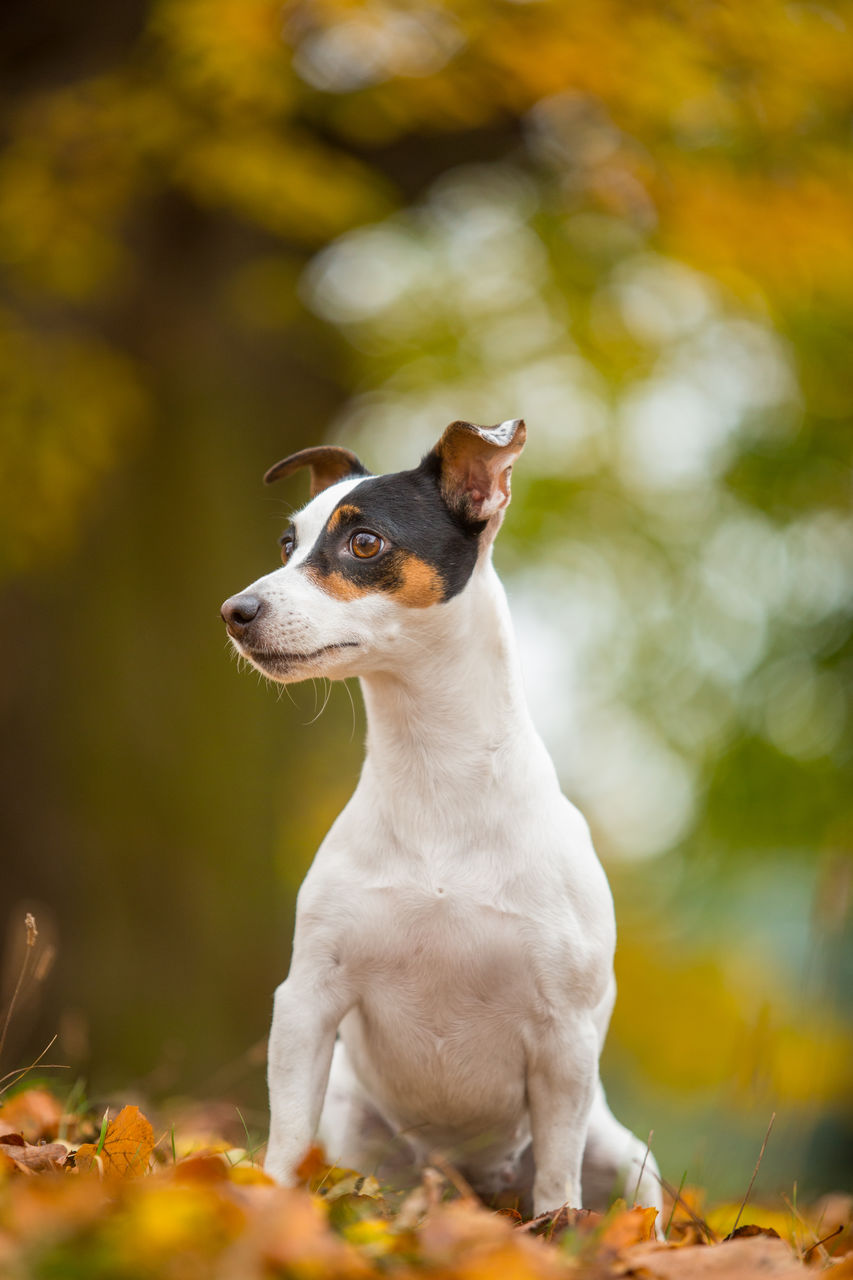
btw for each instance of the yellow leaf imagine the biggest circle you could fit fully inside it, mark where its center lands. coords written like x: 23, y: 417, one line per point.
x: 246, y: 1175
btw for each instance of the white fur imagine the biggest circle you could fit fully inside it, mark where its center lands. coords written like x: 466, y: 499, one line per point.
x: 456, y: 930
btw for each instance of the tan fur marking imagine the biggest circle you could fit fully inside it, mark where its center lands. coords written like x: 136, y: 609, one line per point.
x: 340, y: 514
x: 336, y: 584
x: 421, y: 586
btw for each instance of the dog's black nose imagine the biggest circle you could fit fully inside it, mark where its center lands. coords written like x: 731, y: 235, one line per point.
x: 238, y: 612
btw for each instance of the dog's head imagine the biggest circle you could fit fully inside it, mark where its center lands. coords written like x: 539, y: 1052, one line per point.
x: 368, y: 550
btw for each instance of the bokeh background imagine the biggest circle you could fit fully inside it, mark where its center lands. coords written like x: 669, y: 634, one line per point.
x: 233, y: 228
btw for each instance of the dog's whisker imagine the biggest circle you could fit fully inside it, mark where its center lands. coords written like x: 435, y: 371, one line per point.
x: 327, y: 695
x: 352, y: 707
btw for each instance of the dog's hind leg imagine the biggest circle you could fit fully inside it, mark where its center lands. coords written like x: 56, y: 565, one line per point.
x: 617, y: 1164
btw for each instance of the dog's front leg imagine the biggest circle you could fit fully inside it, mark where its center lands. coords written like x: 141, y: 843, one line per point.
x: 301, y: 1042
x: 562, y: 1070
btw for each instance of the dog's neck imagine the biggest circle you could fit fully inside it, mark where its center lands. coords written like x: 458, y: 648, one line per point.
x: 451, y: 721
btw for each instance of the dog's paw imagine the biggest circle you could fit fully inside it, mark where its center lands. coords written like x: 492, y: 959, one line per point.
x: 279, y: 1167
x: 551, y: 1199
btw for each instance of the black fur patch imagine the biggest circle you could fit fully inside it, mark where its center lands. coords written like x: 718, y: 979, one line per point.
x: 406, y: 508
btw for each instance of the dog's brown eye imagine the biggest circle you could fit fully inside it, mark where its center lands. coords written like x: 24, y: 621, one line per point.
x: 364, y: 544
x: 287, y: 542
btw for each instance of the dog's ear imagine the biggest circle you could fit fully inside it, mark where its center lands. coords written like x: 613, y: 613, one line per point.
x: 475, y: 466
x: 328, y: 462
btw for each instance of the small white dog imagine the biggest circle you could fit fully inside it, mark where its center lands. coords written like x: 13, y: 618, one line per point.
x: 452, y: 973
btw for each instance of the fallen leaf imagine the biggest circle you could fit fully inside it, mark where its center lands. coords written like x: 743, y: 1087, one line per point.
x: 373, y: 1237
x: 346, y: 1182
x: 514, y: 1260
x: 626, y: 1227
x: 313, y: 1165
x: 162, y: 1221
x: 333, y: 1181
x: 204, y: 1167
x: 249, y: 1175
x: 419, y: 1202
x: 753, y: 1229
x: 842, y: 1270
x: 33, y: 1158
x: 558, y: 1221
x: 35, y: 1113
x: 746, y: 1258
x: 289, y: 1232
x: 831, y: 1212
x: 466, y: 1239
x: 126, y: 1148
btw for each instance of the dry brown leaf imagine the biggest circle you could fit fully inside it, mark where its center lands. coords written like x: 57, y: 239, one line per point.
x: 749, y: 1258
x: 126, y: 1149
x: 471, y: 1242
x: 33, y: 1158
x: 753, y: 1229
x: 419, y: 1202
x: 554, y: 1224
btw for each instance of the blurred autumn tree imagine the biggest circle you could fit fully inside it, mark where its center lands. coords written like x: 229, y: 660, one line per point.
x: 230, y: 228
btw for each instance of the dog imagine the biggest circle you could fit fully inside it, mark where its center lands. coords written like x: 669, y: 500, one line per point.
x: 452, y: 973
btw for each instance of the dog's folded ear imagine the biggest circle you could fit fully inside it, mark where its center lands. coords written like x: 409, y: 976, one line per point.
x: 475, y: 466
x: 329, y: 463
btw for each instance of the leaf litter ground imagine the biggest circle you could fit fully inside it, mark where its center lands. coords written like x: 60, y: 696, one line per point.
x: 82, y: 1197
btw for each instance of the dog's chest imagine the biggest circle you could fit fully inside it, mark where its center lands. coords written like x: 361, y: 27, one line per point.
x: 444, y: 991
x: 442, y: 950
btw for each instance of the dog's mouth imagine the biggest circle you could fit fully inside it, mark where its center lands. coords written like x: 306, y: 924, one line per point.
x: 279, y: 660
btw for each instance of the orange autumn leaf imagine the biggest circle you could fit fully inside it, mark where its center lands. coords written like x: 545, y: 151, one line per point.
x: 313, y: 1165
x: 126, y: 1148
x: 35, y: 1113
x: 628, y: 1227
x: 201, y: 1167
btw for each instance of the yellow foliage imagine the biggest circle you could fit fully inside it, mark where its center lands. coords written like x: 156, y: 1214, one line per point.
x: 294, y: 186
x: 73, y: 407
x: 227, y: 53
x: 788, y: 234
x: 703, y: 1032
